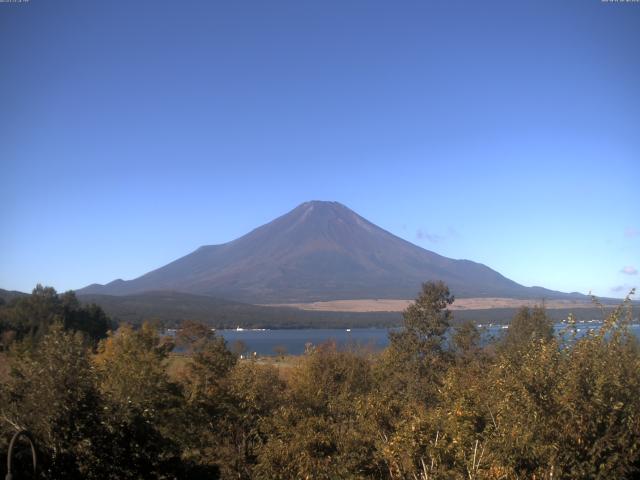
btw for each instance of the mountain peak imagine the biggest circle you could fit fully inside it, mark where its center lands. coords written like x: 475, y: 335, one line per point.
x: 322, y: 206
x: 316, y: 221
x: 321, y: 203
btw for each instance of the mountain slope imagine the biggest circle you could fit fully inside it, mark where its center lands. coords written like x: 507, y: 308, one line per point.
x: 318, y: 251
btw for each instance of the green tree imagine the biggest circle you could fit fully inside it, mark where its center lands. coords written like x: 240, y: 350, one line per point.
x: 131, y: 365
x: 255, y: 392
x: 89, y: 319
x: 319, y: 431
x: 31, y: 316
x: 466, y: 341
x: 416, y: 357
x: 211, y: 361
x: 528, y: 325
x: 426, y: 320
x: 52, y: 393
x: 597, y: 426
x: 208, y: 404
x: 142, y: 410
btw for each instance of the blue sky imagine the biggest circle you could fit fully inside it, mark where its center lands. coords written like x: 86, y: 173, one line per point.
x: 503, y: 132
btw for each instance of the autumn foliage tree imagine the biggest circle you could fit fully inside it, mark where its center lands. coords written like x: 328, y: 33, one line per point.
x: 437, y: 403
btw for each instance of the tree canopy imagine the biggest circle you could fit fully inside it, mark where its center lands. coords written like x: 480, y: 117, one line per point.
x: 31, y: 316
x: 436, y: 404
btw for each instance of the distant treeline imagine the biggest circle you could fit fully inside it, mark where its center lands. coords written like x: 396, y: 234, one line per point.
x: 170, y: 309
x: 29, y: 316
x: 435, y: 404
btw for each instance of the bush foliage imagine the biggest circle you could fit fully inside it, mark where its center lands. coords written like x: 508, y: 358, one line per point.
x: 433, y: 405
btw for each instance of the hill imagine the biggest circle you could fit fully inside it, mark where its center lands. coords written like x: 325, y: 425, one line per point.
x: 8, y: 295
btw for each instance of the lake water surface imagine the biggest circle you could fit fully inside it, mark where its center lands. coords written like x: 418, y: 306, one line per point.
x: 265, y: 342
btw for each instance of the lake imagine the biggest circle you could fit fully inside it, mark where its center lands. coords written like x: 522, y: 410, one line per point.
x: 265, y: 342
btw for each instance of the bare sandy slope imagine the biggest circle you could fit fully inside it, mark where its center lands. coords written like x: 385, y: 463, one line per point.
x: 393, y: 305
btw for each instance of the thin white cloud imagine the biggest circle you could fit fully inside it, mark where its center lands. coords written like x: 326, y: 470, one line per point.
x: 629, y: 270
x: 451, y: 233
x: 623, y: 289
x: 431, y: 237
x: 631, y: 232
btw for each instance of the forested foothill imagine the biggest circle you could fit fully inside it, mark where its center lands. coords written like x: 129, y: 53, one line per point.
x: 116, y: 403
